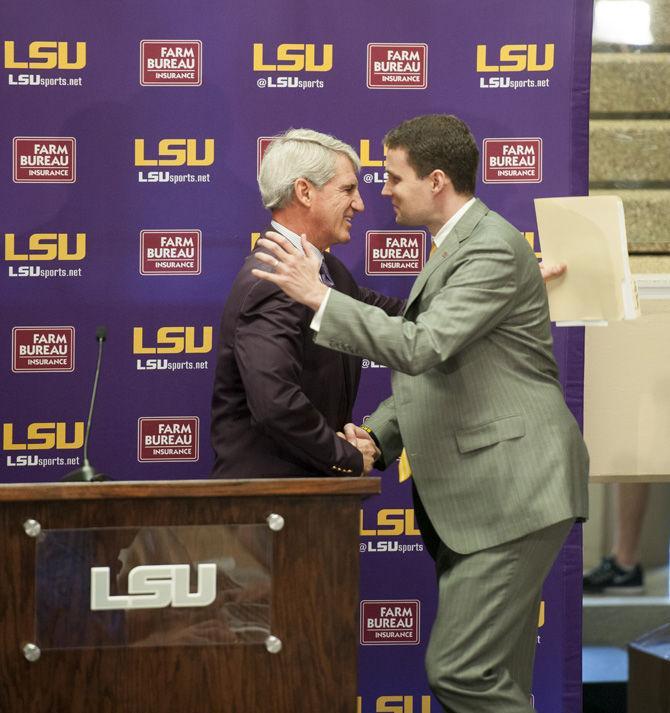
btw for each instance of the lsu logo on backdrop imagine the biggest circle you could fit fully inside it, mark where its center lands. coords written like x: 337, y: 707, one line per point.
x: 512, y: 60
x: 529, y: 237
x: 173, y: 340
x: 291, y: 59
x: 44, y: 159
x: 44, y: 247
x: 396, y: 704
x: 165, y: 63
x: 262, y: 145
x: 365, y: 154
x: 516, y: 58
x: 394, y: 252
x: 512, y: 161
x: 176, y: 152
x: 170, y: 341
x: 388, y: 523
x: 168, y: 438
x: 42, y: 349
x: 170, y: 252
x: 397, y: 66
x: 392, y: 622
x: 44, y: 56
x: 43, y: 436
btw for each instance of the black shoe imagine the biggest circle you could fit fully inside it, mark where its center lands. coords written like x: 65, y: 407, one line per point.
x: 609, y: 578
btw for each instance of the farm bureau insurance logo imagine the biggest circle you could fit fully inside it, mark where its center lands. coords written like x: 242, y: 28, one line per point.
x: 262, y: 145
x: 168, y: 63
x: 503, y: 67
x: 289, y: 60
x: 397, y: 66
x: 170, y: 252
x: 390, y: 622
x: 512, y: 161
x: 168, y: 438
x: 45, y: 159
x: 44, y: 247
x: 51, y: 57
x: 42, y: 349
x: 394, y: 252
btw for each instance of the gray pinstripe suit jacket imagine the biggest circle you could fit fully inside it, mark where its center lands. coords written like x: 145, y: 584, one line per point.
x: 476, y: 401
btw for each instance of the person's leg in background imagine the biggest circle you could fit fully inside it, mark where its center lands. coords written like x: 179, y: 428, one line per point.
x: 621, y: 572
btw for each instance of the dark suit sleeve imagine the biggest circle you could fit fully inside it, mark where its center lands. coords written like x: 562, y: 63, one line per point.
x: 269, y: 340
x: 393, y: 306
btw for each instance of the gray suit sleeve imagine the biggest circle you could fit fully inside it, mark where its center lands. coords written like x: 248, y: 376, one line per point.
x: 476, y: 297
x: 384, y: 424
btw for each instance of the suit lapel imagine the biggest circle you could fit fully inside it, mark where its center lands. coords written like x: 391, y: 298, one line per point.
x: 462, y: 230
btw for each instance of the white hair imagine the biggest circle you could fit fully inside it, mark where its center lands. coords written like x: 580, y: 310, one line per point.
x: 299, y: 153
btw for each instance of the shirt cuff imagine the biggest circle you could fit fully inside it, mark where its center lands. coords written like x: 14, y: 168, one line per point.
x: 367, y: 429
x: 315, y: 324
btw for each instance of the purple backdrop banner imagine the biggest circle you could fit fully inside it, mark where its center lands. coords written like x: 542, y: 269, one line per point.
x: 131, y: 136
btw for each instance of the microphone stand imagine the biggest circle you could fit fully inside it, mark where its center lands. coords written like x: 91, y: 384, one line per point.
x: 87, y: 473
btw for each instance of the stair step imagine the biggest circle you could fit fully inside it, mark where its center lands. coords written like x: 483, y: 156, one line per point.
x: 629, y: 153
x: 630, y: 83
x: 616, y: 621
x: 647, y: 218
x: 650, y: 264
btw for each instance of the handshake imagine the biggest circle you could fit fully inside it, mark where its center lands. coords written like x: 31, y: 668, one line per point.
x: 361, y: 439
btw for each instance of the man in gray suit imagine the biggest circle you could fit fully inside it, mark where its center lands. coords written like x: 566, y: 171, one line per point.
x: 499, y: 464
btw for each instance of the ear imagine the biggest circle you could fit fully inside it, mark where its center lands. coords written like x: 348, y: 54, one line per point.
x: 439, y: 180
x: 302, y: 189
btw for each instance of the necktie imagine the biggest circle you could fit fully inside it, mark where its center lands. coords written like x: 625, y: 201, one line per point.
x: 325, y: 275
x: 432, y: 249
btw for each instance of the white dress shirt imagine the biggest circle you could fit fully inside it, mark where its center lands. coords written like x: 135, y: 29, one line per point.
x: 293, y: 238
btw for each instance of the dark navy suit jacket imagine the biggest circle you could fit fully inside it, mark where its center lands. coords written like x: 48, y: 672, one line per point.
x: 278, y: 397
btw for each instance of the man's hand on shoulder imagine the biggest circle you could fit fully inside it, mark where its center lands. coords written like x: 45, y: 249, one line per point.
x: 295, y: 272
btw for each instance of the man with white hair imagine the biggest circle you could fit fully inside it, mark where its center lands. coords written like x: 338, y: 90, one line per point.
x: 279, y: 399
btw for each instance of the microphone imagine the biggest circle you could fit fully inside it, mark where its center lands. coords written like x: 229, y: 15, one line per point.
x: 87, y: 473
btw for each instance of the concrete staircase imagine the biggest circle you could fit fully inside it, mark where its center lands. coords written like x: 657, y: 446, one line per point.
x: 630, y: 157
x: 630, y: 137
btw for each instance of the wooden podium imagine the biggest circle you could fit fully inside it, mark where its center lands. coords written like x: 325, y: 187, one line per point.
x: 649, y: 672
x: 314, y: 602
